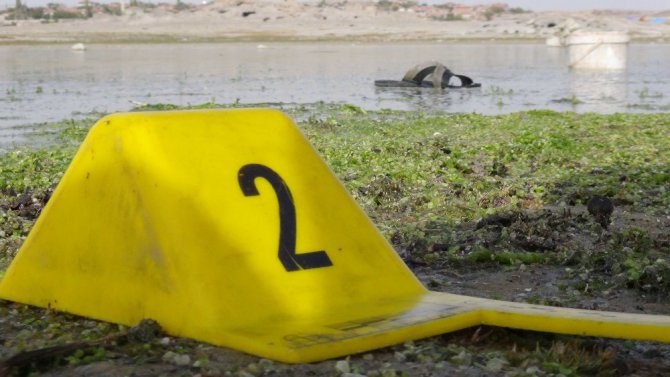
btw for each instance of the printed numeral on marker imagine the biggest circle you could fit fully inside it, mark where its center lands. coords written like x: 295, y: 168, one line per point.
x: 287, y: 223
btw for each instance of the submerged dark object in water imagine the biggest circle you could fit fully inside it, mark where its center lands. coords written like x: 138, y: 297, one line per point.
x: 429, y: 75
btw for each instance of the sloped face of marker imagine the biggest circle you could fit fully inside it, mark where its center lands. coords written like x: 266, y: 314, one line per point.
x: 227, y: 227
x: 217, y: 224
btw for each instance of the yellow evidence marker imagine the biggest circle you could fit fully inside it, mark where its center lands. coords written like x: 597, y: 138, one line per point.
x: 227, y: 227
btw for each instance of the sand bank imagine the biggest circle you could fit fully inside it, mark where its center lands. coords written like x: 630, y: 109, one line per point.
x: 225, y: 21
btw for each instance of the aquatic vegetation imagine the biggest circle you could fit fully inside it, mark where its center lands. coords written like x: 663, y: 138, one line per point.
x: 573, y: 100
x: 645, y: 93
x: 11, y: 94
x: 498, y: 91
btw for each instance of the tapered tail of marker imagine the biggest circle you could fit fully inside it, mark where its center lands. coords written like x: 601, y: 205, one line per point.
x: 577, y: 321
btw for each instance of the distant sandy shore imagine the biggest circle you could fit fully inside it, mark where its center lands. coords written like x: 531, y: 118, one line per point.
x: 216, y: 23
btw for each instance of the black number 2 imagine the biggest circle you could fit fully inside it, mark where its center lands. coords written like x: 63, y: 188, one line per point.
x: 287, y: 227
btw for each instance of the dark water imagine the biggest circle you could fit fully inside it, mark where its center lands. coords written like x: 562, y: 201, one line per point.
x: 47, y: 83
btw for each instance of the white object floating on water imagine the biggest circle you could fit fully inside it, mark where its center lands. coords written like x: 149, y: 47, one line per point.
x: 598, y: 49
x: 78, y: 47
x: 261, y: 46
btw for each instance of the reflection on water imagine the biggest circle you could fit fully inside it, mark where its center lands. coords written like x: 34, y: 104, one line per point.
x: 608, y: 88
x: 46, y: 83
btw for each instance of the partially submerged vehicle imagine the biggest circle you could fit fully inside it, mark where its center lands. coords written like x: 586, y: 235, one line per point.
x: 429, y: 75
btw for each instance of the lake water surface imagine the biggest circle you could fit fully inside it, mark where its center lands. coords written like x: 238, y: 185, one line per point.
x: 52, y: 82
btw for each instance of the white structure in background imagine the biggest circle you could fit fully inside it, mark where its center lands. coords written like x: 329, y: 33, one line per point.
x: 598, y: 49
x: 79, y: 47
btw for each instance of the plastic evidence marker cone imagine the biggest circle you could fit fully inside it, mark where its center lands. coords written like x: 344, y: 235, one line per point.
x: 227, y: 227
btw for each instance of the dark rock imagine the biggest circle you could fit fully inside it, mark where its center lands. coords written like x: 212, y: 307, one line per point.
x: 601, y: 208
x: 145, y: 331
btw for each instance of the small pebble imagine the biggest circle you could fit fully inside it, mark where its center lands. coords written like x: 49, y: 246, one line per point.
x: 533, y: 370
x: 342, y: 366
x: 265, y: 363
x: 169, y: 356
x: 255, y: 369
x: 199, y: 363
x: 495, y: 365
x: 388, y: 373
x: 182, y: 360
x: 463, y: 358
x: 165, y: 341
